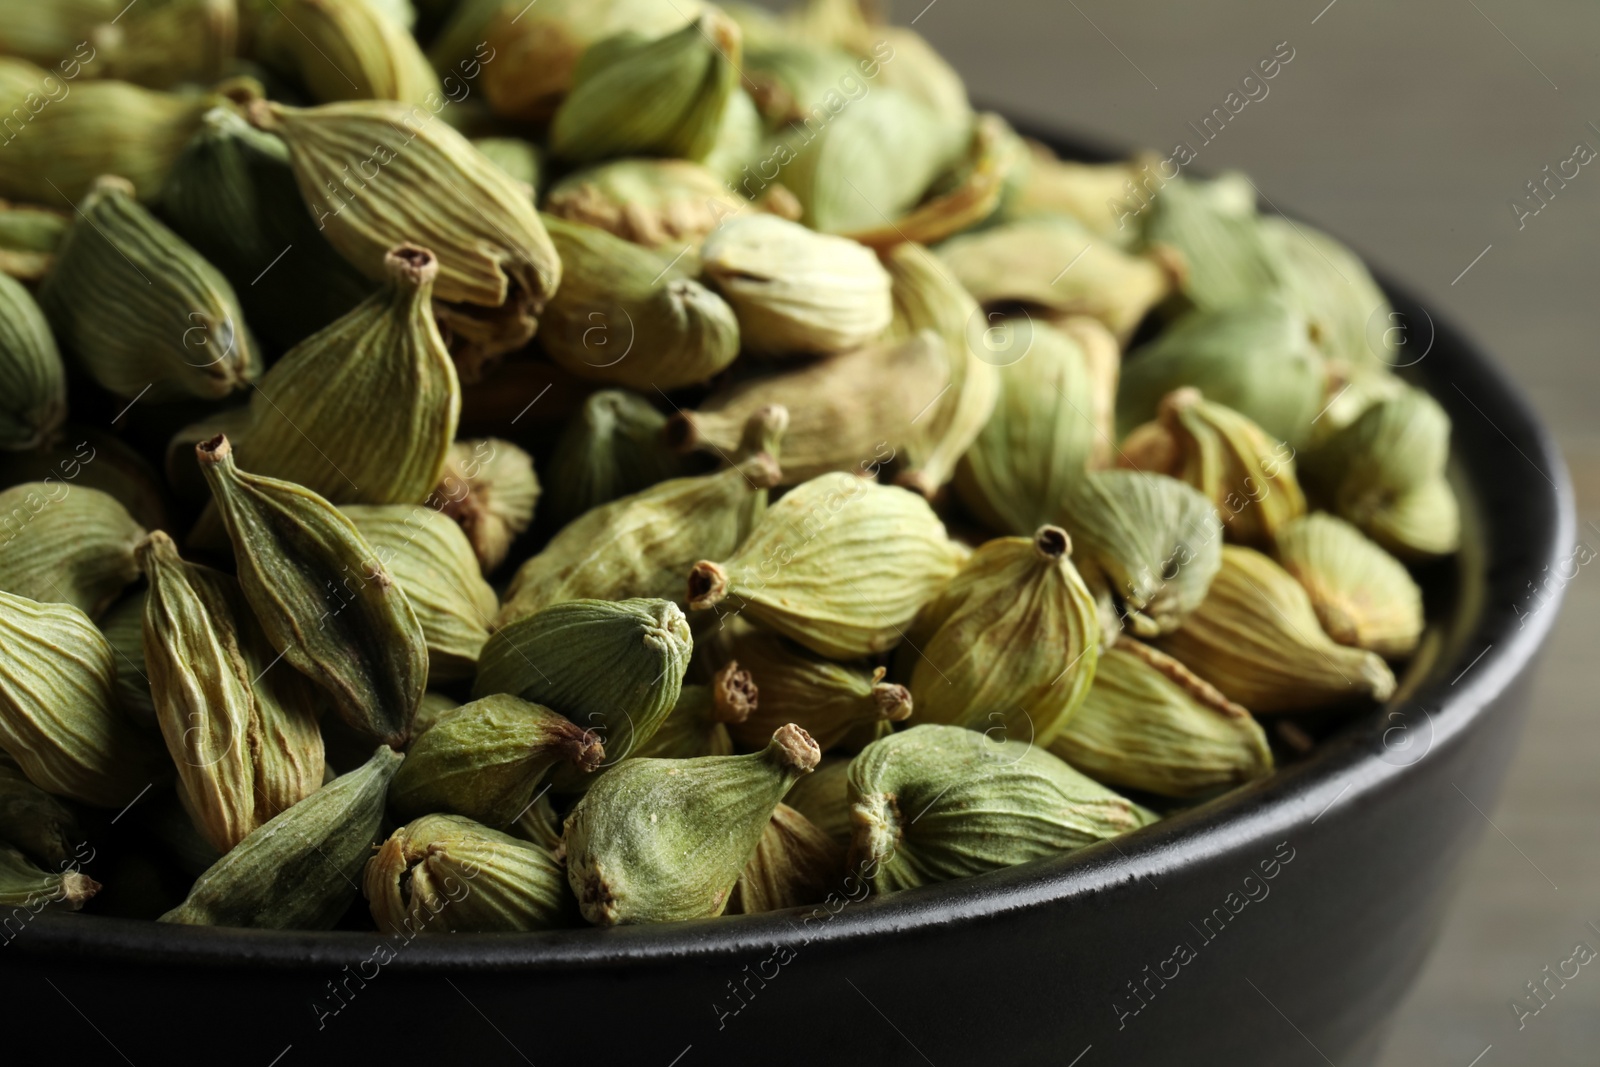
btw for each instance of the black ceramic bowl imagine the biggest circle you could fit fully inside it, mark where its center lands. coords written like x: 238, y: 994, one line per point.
x: 1278, y: 925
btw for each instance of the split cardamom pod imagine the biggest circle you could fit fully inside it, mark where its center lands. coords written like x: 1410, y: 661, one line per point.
x: 66, y: 544
x: 794, y: 864
x: 831, y: 701
x: 33, y: 380
x: 1363, y: 596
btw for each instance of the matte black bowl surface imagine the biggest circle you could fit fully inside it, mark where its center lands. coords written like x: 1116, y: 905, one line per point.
x: 1278, y: 925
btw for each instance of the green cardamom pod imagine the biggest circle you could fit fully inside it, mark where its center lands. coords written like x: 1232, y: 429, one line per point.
x: 521, y: 159
x: 642, y: 544
x: 123, y: 628
x: 33, y: 820
x: 741, y: 143
x: 935, y: 803
x: 651, y: 202
x: 59, y: 717
x: 29, y: 237
x: 486, y: 760
x: 1151, y: 724
x: 829, y: 700
x: 325, y: 601
x: 1326, y: 280
x: 700, y: 722
x: 660, y: 840
x: 794, y: 864
x: 611, y: 448
x: 1010, y: 644
x: 1052, y: 186
x: 22, y: 885
x: 350, y: 50
x: 444, y: 873
x: 379, y: 374
x: 33, y: 380
x: 156, y: 44
x: 540, y: 824
x: 620, y: 317
x: 614, y: 667
x: 434, y: 707
x: 92, y: 458
x: 299, y: 870
x: 788, y: 77
x: 1420, y: 524
x: 489, y: 487
x: 1256, y: 638
x: 1214, y: 229
x: 840, y: 564
x: 824, y: 798
x: 75, y: 548
x: 1363, y: 596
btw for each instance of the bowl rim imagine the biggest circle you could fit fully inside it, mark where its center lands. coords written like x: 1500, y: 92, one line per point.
x: 1527, y: 524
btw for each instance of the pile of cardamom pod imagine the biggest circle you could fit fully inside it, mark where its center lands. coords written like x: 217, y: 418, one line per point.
x: 911, y: 503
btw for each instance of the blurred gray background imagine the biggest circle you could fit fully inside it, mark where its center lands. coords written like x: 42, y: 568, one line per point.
x: 1406, y: 129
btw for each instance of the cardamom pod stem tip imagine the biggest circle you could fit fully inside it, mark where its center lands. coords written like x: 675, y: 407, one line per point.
x: 793, y: 748
x: 1052, y: 542
x: 708, y: 585
x: 733, y: 694
x: 411, y: 266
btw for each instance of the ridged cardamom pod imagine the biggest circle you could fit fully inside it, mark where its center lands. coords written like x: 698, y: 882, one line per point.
x: 740, y: 143
x: 350, y: 50
x: 1054, y: 262
x: 298, y: 871
x: 831, y: 701
x: 660, y: 840
x: 642, y: 544
x: 377, y: 175
x: 1248, y: 475
x: 232, y: 195
x: 620, y: 318
x: 1010, y: 645
x: 824, y: 798
x: 59, y: 717
x: 521, y: 159
x: 33, y: 820
x: 1420, y: 524
x: 840, y: 564
x: 1328, y: 281
x: 934, y: 803
x: 231, y: 747
x: 96, y: 459
x: 794, y: 864
x: 1256, y: 357
x: 29, y: 236
x: 123, y: 628
x: 1148, y: 545
x: 443, y: 873
x: 22, y: 885
x: 927, y: 298
x: 795, y: 291
x: 434, y: 707
x: 490, y: 489
x: 1040, y: 439
x: 699, y: 724
x: 66, y: 544
x: 651, y: 202
x: 166, y: 322
x: 156, y: 45
x: 540, y: 824
x: 611, y: 448
x: 33, y: 381
x: 324, y: 600
x: 379, y: 374
x: 432, y: 560
x: 851, y: 412
x: 1256, y: 637
x: 1051, y: 186
x: 613, y: 667
x: 788, y: 77
x: 1151, y: 724
x: 634, y: 95
x: 1363, y: 596
x: 486, y: 760
x: 1217, y: 235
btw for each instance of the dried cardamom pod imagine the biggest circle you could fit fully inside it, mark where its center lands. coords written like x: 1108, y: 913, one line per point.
x: 1217, y: 234
x: 123, y: 628
x: 379, y: 374
x: 541, y: 824
x: 909, y: 64
x: 324, y: 600
x: 642, y: 544
x: 444, y: 873
x: 1092, y: 193
x: 829, y: 700
x: 934, y: 803
x: 1054, y: 262
x: 1256, y: 357
x: 1363, y: 596
x: 1147, y: 544
x: 22, y: 885
x: 618, y: 317
x: 840, y: 564
x: 795, y: 291
x: 92, y: 458
x: 611, y: 448
x: 652, y: 202
x: 299, y: 870
x: 1420, y: 524
x: 488, y: 487
x: 823, y: 797
x: 614, y: 667
x: 850, y: 412
x: 660, y: 840
x: 166, y: 322
x: 350, y: 50
x: 419, y: 183
x: 432, y: 559
x: 1151, y: 724
x: 29, y: 236
x: 33, y: 820
x: 1010, y: 644
x: 58, y: 713
x: 787, y: 77
x: 1041, y: 436
x: 1248, y: 475
x: 740, y: 144
x: 699, y: 724
x: 1328, y: 281
x: 66, y: 544
x: 486, y: 759
x: 33, y: 381
x: 634, y: 95
x: 156, y: 44
x: 521, y: 159
x: 434, y: 707
x: 1256, y: 638
x: 794, y: 864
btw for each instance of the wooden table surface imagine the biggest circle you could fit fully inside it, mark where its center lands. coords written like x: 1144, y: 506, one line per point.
x: 1407, y: 129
